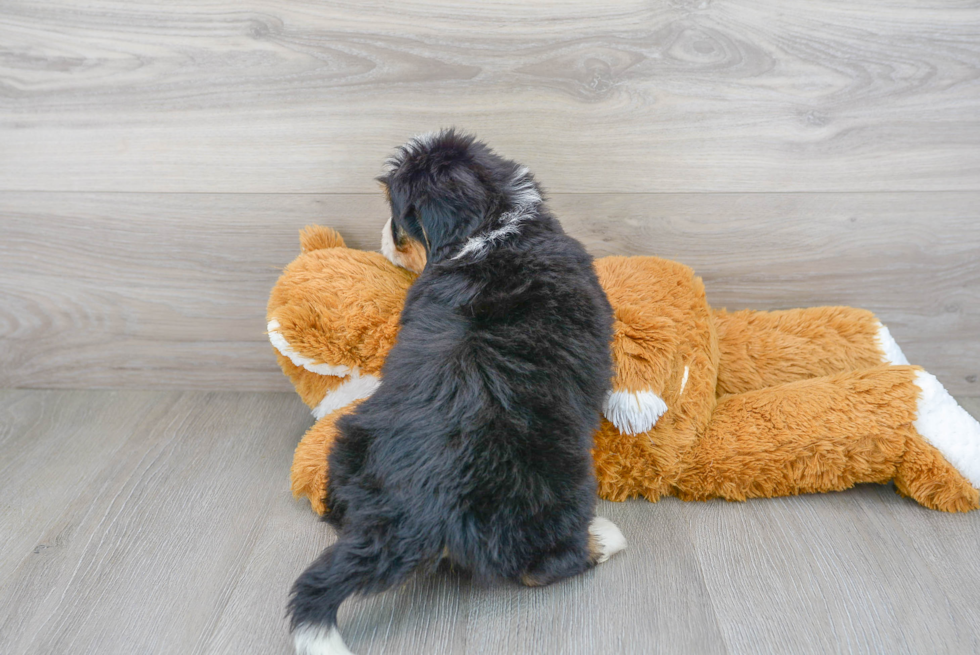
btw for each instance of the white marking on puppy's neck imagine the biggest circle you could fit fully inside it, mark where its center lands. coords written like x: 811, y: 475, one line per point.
x: 633, y: 412
x: 524, y: 199
x: 319, y: 640
x: 942, y: 422
x: 279, y: 342
x: 480, y: 245
x: 356, y: 387
x: 891, y: 353
x: 684, y: 380
x: 522, y: 190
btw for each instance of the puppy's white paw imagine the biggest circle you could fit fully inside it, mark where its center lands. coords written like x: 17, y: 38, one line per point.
x: 605, y: 539
x: 319, y: 640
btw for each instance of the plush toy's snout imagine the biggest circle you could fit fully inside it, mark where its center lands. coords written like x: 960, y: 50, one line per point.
x: 401, y: 249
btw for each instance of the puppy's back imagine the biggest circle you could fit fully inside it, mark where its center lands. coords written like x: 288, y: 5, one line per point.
x: 491, y: 396
x: 476, y: 445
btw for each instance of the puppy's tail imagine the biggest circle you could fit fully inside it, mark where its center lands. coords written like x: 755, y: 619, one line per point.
x: 350, y: 566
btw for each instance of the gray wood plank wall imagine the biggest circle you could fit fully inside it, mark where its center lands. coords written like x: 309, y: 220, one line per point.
x: 157, y: 160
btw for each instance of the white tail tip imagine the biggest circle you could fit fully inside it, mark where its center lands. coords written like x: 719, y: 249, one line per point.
x: 318, y: 640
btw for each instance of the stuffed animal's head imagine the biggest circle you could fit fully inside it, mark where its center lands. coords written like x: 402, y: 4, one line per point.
x: 333, y: 317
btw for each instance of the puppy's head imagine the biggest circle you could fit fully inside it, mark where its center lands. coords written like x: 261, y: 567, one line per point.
x: 442, y: 188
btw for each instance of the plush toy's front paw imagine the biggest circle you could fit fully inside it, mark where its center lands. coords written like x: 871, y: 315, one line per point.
x: 633, y: 412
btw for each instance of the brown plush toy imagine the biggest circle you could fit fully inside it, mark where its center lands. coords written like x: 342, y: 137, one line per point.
x: 705, y: 403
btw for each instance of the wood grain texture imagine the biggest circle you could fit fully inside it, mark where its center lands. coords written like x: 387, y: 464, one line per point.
x: 861, y: 585
x: 160, y: 522
x: 633, y: 96
x: 76, y: 441
x: 158, y: 159
x: 146, y: 556
x: 169, y: 290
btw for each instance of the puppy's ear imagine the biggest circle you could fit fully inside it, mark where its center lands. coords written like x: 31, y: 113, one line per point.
x: 437, y: 222
x: 415, y: 226
x: 452, y: 212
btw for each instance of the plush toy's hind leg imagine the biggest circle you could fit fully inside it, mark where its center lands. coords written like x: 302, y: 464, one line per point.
x: 928, y: 478
x: 830, y: 433
x: 941, y: 470
x: 765, y: 349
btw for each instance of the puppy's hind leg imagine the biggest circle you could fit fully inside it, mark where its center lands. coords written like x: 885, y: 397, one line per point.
x: 354, y: 564
x: 605, y: 540
x: 576, y: 555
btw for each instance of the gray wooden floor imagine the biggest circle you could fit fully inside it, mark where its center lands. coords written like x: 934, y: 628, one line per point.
x: 160, y: 522
x: 157, y: 160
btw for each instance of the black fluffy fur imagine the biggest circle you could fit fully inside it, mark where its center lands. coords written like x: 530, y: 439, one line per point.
x: 477, y: 443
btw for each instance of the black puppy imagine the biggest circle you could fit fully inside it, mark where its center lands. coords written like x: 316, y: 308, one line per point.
x: 476, y: 446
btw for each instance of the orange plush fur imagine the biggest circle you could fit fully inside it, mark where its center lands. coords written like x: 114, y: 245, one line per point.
x: 706, y: 403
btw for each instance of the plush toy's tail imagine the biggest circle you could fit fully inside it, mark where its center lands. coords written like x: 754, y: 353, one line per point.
x: 317, y: 237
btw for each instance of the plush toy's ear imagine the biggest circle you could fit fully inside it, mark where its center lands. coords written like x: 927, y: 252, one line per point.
x: 317, y: 237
